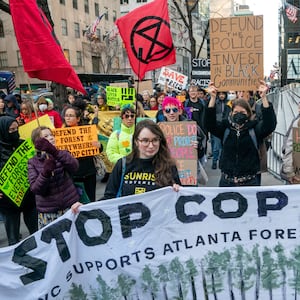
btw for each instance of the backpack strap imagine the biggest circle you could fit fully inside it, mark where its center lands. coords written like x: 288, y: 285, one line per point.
x: 122, y: 177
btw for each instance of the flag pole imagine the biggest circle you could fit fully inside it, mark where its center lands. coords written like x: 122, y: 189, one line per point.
x: 139, y: 56
x: 33, y: 104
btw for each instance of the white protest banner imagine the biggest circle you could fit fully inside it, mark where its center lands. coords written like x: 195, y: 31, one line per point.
x: 174, y: 80
x: 199, y: 243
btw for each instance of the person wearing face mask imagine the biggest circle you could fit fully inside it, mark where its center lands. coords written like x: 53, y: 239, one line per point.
x: 240, y: 162
x: 42, y: 106
x: 9, y: 142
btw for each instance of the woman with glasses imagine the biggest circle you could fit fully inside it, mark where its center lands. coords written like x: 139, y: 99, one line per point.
x: 119, y: 143
x: 148, y: 167
x: 101, y: 102
x: 172, y: 110
x: 73, y: 116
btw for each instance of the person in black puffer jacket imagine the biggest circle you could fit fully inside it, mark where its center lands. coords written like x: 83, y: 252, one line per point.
x: 240, y: 159
x: 9, y: 142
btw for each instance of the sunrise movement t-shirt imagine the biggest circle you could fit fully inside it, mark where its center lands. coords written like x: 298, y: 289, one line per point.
x: 139, y: 178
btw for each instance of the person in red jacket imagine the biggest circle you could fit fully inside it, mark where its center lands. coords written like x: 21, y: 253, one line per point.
x: 42, y: 106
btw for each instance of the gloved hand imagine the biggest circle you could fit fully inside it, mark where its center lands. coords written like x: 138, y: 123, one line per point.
x: 44, y: 145
x: 49, y: 167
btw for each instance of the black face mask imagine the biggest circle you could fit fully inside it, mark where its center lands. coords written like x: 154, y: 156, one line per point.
x: 14, y: 136
x: 239, y: 118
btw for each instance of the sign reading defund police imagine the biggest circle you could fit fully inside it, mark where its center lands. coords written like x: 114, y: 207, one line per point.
x: 199, y: 243
x: 236, y: 45
x: 14, y: 174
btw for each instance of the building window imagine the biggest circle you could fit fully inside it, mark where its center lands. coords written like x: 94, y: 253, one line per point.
x: 67, y: 54
x: 123, y: 2
x: 86, y: 6
x: 98, y: 33
x: 64, y: 27
x: 1, y: 29
x: 140, y: 1
x: 106, y: 13
x: 114, y: 15
x: 77, y: 30
x: 19, y: 58
x: 3, y: 59
x: 75, y: 4
x: 79, y: 58
x: 63, y: 2
x: 97, y: 10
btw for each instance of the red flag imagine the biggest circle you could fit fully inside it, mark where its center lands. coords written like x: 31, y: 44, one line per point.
x: 41, y: 53
x: 147, y: 37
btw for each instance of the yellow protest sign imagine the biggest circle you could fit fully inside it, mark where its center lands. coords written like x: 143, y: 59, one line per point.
x: 119, y: 96
x: 26, y: 129
x: 78, y: 140
x: 236, y: 46
x: 14, y: 174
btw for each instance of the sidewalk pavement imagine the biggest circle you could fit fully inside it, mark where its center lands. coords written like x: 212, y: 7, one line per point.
x: 213, y: 181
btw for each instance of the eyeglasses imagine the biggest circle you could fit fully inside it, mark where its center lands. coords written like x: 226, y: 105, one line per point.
x: 146, y: 142
x: 129, y: 116
x: 174, y: 110
x: 70, y: 116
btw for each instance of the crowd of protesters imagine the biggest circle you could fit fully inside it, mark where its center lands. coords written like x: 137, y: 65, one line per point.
x: 223, y: 118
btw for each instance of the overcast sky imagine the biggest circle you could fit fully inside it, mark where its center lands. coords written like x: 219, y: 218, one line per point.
x: 269, y: 9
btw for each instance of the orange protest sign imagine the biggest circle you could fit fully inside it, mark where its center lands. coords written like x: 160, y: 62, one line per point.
x: 77, y: 140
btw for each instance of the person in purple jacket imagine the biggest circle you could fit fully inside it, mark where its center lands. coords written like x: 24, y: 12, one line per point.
x: 50, y: 177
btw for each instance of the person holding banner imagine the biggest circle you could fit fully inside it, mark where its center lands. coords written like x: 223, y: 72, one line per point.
x: 10, y: 143
x: 241, y: 135
x: 150, y: 159
x: 50, y: 176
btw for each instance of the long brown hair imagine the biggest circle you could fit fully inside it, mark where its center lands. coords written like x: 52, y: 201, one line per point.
x: 162, y: 161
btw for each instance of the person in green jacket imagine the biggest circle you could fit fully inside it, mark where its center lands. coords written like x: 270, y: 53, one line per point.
x: 120, y: 141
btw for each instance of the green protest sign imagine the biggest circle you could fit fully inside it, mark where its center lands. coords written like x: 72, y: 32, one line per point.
x: 119, y: 96
x: 13, y: 176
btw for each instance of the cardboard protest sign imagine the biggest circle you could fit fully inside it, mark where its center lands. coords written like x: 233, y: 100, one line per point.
x: 173, y: 79
x: 77, y: 140
x: 236, y: 46
x: 119, y: 84
x: 13, y: 176
x: 197, y: 243
x: 119, y: 96
x: 180, y: 136
x: 144, y: 85
x: 26, y: 129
